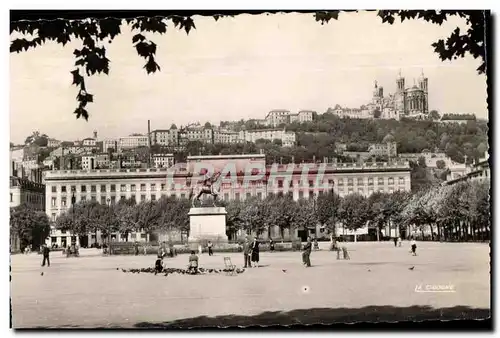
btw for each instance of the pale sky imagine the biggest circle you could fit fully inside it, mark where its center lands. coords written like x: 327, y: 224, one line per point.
x: 239, y: 67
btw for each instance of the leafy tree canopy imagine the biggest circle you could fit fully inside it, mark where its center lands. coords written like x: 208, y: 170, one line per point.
x: 93, y: 32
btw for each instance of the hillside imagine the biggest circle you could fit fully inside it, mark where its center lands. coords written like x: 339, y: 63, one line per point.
x: 318, y: 139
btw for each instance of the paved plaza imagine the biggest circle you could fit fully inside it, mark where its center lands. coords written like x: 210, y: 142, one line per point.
x: 377, y: 284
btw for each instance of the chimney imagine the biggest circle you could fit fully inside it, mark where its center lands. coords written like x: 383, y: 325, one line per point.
x: 149, y: 133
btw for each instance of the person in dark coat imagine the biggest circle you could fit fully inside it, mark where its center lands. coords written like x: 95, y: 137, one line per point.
x: 136, y: 248
x: 45, y: 252
x: 246, y: 253
x: 158, y: 265
x: 306, y: 254
x: 271, y: 245
x: 255, y: 253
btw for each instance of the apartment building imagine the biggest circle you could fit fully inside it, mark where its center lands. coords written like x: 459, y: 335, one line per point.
x: 278, y: 116
x: 287, y: 138
x: 302, y: 116
x: 25, y: 191
x: 163, y: 160
x: 133, y: 141
x: 108, y: 144
x: 298, y: 180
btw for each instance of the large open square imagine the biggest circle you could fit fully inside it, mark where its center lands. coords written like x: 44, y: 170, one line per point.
x: 377, y: 284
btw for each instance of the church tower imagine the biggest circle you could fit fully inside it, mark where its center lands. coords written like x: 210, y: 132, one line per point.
x: 400, y: 81
x: 400, y: 96
x: 423, y: 85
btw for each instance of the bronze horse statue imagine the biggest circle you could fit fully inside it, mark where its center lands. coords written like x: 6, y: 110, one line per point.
x: 207, y: 188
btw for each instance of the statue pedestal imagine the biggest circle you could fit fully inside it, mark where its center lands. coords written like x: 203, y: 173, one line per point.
x: 207, y: 224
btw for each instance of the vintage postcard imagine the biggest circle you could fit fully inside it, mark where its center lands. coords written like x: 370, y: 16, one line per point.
x: 239, y: 169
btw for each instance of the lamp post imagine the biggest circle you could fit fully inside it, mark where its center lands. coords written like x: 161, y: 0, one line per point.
x: 109, y: 229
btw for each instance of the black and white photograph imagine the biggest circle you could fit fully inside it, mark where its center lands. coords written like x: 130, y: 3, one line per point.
x: 233, y: 169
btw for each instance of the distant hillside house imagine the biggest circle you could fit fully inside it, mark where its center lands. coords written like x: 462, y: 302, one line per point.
x: 89, y: 142
x: 457, y: 118
x: 163, y: 160
x: 53, y: 143
x: 479, y: 172
x: 276, y: 117
x: 287, y: 138
x: 302, y: 116
x: 130, y: 142
x: 383, y: 149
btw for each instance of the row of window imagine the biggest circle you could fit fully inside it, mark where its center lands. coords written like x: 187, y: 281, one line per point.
x: 29, y: 198
x: 162, y: 186
x: 350, y: 182
x: 103, y: 200
x: 143, y: 197
x: 112, y: 188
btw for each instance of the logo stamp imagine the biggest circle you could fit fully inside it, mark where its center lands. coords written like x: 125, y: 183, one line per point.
x: 446, y: 288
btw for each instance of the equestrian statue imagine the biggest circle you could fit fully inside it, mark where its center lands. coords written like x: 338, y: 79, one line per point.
x: 208, y: 187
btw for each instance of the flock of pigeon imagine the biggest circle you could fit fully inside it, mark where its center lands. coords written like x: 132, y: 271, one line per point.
x: 168, y: 271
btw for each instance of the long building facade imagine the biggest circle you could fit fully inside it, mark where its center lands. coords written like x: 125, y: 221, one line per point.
x: 25, y: 191
x: 107, y: 186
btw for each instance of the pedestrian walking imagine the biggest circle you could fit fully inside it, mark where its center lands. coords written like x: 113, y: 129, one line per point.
x: 247, y: 253
x: 395, y: 241
x: 210, y: 251
x: 413, y: 247
x: 200, y: 249
x: 45, y: 252
x: 255, y: 253
x: 306, y: 254
x: 399, y: 241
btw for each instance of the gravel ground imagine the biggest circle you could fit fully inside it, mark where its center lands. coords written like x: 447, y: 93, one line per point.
x: 376, y: 284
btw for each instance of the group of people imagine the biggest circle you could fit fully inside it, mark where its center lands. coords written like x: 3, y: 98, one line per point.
x: 413, y: 244
x: 192, y: 267
x: 251, y: 253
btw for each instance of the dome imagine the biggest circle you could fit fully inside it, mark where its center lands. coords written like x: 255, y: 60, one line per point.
x: 414, y: 89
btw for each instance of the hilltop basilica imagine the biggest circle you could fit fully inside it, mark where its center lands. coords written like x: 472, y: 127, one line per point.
x: 409, y: 102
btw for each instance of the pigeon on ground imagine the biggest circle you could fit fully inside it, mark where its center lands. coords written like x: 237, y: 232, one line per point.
x: 369, y: 270
x: 41, y: 274
x: 283, y: 270
x: 411, y: 268
x: 117, y: 268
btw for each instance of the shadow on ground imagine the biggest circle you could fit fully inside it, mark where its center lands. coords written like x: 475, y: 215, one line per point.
x: 370, y: 314
x: 326, y: 316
